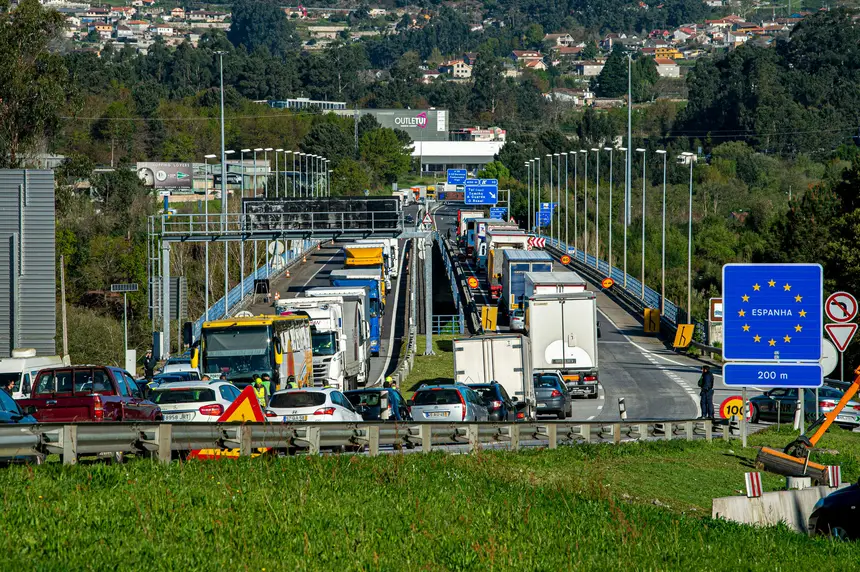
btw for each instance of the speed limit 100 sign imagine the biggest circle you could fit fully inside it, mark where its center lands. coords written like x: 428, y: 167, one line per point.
x: 732, y: 407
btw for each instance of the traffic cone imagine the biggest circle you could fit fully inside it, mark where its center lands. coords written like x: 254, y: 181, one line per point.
x: 318, y: 246
x: 304, y: 258
x: 288, y: 273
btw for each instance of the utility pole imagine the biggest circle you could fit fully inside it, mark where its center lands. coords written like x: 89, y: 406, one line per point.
x: 223, y: 191
x: 629, y: 141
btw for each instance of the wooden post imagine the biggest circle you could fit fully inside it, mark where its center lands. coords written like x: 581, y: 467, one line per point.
x: 70, y: 444
x: 709, y: 429
x: 616, y: 433
x: 689, y: 429
x: 514, y: 431
x: 726, y: 432
x: 667, y: 430
x: 643, y: 430
x: 313, y: 438
x: 474, y: 438
x: 164, y: 440
x: 586, y: 432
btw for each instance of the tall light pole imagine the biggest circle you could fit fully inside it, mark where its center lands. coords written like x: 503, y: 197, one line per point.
x: 584, y: 154
x: 629, y: 170
x: 278, y: 173
x: 643, y: 220
x: 550, y: 195
x: 538, y: 194
x: 256, y: 187
x: 575, y: 205
x: 609, y: 258
x: 223, y: 182
x: 597, y: 210
x: 206, y: 244
x: 566, y: 215
x: 663, y: 241
x: 242, y: 164
x: 268, y: 169
x: 689, y: 157
x: 626, y: 199
x: 557, y: 195
x: 528, y: 194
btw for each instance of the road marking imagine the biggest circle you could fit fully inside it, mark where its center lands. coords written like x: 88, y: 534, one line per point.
x: 592, y: 417
x: 391, y: 335
x: 314, y: 275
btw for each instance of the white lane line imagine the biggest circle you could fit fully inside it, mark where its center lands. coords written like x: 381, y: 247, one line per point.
x: 592, y: 417
x: 314, y: 275
x: 391, y: 335
x: 651, y: 357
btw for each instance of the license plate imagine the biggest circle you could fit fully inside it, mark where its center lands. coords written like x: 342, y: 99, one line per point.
x: 438, y: 414
x: 288, y: 418
x: 846, y: 418
x: 178, y: 416
x: 541, y: 404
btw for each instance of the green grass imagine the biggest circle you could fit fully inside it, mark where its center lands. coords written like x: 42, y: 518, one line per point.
x: 585, y: 508
x: 438, y: 368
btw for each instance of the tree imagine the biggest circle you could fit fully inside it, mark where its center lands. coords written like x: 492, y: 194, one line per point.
x: 350, y: 178
x: 612, y: 81
x: 328, y: 140
x: 488, y: 79
x: 435, y: 59
x: 589, y: 52
x: 32, y: 78
x: 494, y: 170
x: 385, y: 154
x: 534, y: 35
x: 257, y: 24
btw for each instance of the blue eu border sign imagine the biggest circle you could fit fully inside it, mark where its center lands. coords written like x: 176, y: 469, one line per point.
x: 772, y: 312
x: 804, y: 375
x: 457, y: 176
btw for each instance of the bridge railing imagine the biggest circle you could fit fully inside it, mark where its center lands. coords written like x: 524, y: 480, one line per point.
x: 452, y: 278
x: 161, y: 440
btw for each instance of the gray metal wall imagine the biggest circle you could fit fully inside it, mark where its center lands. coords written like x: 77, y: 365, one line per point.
x: 28, y: 288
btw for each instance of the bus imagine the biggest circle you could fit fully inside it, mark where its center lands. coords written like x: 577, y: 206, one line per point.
x: 245, y: 347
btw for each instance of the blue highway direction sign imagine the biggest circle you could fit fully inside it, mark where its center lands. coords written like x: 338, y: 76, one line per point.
x: 481, y: 192
x: 772, y: 374
x: 542, y: 218
x: 772, y: 312
x: 548, y: 207
x: 457, y: 176
x: 499, y: 212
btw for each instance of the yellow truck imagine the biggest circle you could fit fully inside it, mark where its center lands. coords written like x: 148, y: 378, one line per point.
x: 367, y: 256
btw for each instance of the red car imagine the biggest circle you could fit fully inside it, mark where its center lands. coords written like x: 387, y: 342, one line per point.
x: 88, y: 393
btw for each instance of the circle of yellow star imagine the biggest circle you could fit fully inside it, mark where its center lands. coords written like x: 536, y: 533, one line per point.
x: 771, y: 283
x: 746, y: 327
x: 772, y: 342
x: 742, y: 313
x: 798, y: 328
x: 745, y: 298
x: 757, y: 338
x: 787, y: 287
x: 756, y: 287
x: 798, y: 298
x: 786, y: 339
x: 802, y: 313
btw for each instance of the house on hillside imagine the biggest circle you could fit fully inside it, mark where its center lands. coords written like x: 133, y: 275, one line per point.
x: 589, y: 69
x: 457, y: 69
x: 520, y: 57
x: 558, y: 39
x: 667, y: 68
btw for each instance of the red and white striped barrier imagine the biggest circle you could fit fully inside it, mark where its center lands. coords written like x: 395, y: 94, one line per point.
x: 537, y: 242
x: 753, y: 482
x: 834, y: 476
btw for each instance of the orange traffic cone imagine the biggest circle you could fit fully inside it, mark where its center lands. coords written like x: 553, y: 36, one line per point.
x: 304, y: 258
x: 318, y: 246
x: 288, y: 273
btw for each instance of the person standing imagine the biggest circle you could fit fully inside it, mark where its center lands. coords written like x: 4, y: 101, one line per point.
x: 260, y: 391
x: 149, y: 363
x: 706, y: 393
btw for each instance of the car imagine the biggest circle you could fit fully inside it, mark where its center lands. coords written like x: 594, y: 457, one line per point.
x: 311, y: 405
x: 409, y: 219
x: 779, y: 405
x: 518, y: 321
x: 836, y: 514
x: 447, y: 403
x: 194, y: 401
x: 379, y: 404
x: 180, y: 364
x: 552, y: 395
x: 500, y: 407
x: 11, y: 413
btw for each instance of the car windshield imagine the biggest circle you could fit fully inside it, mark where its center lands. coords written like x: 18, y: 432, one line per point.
x: 368, y: 398
x: 298, y: 399
x: 169, y: 396
x: 546, y: 382
x: 324, y: 343
x: 828, y: 392
x: 437, y: 397
x: 179, y: 361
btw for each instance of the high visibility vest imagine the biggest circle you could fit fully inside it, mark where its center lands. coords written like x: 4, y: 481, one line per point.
x: 261, y: 394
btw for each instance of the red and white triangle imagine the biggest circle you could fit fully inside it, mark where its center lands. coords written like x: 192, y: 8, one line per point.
x: 841, y: 334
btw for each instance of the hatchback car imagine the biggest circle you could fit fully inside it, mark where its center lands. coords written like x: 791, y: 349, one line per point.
x: 836, y: 514
x: 447, y: 403
x: 780, y: 404
x: 552, y: 395
x: 518, y: 321
x: 500, y: 407
x: 196, y: 401
x: 379, y: 404
x: 311, y: 405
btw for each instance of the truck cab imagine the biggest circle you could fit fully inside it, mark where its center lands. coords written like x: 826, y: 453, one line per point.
x: 23, y: 367
x: 327, y: 337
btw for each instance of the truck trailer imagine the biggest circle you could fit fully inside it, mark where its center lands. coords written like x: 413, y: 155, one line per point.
x: 371, y: 279
x: 356, y: 329
x: 515, y: 263
x: 498, y: 240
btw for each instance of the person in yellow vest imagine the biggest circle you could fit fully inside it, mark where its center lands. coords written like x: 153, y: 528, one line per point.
x: 267, y: 381
x: 260, y: 391
x: 291, y: 382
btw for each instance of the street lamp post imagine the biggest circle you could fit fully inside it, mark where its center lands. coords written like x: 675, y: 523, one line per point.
x: 609, y: 259
x: 575, y: 204
x: 584, y: 154
x: 278, y: 174
x: 626, y: 198
x: 223, y: 189
x: 242, y: 165
x: 538, y: 192
x: 566, y: 201
x: 551, y: 226
x: 689, y: 157
x: 206, y: 244
x: 597, y: 210
x: 268, y: 169
x: 663, y: 241
x: 643, y: 221
x: 557, y: 195
x: 528, y: 194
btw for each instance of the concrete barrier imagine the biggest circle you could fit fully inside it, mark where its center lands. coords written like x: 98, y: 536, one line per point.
x: 791, y: 507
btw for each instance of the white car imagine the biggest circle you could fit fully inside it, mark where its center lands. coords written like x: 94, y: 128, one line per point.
x: 518, y: 321
x: 197, y: 401
x: 180, y: 365
x: 311, y: 405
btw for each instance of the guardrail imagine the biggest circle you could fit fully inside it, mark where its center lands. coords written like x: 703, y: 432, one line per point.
x: 447, y: 324
x: 452, y: 277
x: 161, y: 440
x: 468, y: 309
x: 408, y: 362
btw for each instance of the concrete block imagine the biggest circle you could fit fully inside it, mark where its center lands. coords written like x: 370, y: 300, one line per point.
x: 791, y: 507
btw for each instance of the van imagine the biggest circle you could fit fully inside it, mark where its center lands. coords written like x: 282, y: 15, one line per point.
x: 23, y: 367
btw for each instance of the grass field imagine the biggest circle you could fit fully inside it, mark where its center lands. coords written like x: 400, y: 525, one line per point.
x: 438, y: 368
x: 594, y: 507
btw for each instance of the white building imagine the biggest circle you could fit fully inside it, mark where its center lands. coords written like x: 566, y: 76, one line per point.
x: 667, y: 68
x: 439, y: 156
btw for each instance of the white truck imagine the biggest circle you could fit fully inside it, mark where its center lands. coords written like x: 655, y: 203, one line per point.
x: 356, y: 328
x: 327, y: 338
x: 504, y: 358
x: 564, y: 338
x: 22, y: 368
x: 564, y: 282
x: 390, y: 250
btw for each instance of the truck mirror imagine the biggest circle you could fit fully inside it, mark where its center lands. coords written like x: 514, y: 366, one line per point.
x: 187, y: 333
x: 279, y: 355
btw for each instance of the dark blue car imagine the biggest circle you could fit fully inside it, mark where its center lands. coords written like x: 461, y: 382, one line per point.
x: 379, y: 404
x: 11, y: 412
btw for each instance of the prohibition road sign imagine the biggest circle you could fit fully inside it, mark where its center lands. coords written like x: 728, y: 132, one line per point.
x: 607, y: 282
x: 841, y: 307
x: 565, y: 259
x: 473, y: 282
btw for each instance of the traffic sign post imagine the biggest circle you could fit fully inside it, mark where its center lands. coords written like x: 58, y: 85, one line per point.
x: 499, y: 212
x: 607, y: 283
x: 481, y: 192
x: 125, y: 289
x: 457, y: 176
x: 565, y: 259
x: 473, y: 282
x: 799, y: 375
x: 733, y: 407
x: 841, y: 307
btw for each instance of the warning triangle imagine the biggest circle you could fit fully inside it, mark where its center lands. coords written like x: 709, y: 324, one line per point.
x: 841, y: 334
x: 427, y: 219
x: 245, y: 408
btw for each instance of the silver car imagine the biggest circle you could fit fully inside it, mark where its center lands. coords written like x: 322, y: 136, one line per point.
x: 447, y: 403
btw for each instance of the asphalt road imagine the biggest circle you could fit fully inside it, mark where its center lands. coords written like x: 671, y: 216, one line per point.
x: 314, y: 272
x: 655, y: 381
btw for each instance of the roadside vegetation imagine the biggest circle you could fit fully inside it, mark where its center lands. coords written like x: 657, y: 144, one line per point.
x: 586, y: 507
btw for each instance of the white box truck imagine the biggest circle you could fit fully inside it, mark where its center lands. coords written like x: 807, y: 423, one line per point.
x: 564, y: 338
x: 504, y: 358
x: 562, y: 282
x: 356, y: 328
x: 327, y: 337
x: 499, y: 239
